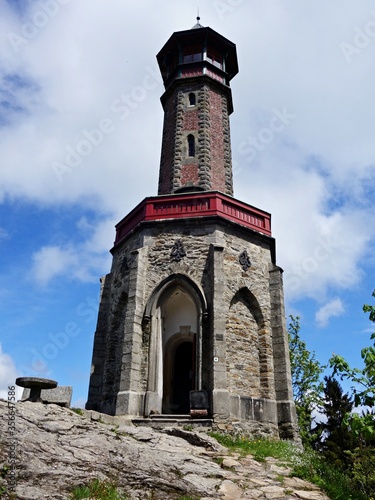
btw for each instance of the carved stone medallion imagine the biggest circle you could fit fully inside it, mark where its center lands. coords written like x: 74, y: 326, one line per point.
x: 178, y: 251
x: 244, y: 260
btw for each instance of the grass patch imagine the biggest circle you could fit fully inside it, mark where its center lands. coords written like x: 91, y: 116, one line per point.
x: 187, y: 498
x: 218, y: 460
x: 79, y: 411
x: 116, y: 432
x: 104, y: 490
x: 308, y: 464
x: 260, y: 449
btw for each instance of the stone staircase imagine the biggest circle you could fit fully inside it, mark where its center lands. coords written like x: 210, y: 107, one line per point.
x: 160, y: 421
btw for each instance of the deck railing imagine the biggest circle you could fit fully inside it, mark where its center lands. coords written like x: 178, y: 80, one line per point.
x: 203, y: 204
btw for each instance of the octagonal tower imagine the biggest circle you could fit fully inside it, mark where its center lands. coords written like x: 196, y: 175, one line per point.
x: 194, y: 304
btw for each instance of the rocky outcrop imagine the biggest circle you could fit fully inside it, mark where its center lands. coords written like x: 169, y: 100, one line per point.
x: 58, y: 450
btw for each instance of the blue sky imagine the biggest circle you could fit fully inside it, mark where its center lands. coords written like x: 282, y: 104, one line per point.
x: 80, y: 135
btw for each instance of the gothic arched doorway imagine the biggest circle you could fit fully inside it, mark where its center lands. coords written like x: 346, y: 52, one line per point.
x: 179, y: 324
x: 175, y: 312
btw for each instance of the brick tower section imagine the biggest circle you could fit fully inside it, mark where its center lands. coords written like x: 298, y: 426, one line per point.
x: 210, y: 168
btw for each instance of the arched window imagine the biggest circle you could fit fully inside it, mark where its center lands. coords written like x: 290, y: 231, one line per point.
x: 192, y: 99
x: 191, y: 145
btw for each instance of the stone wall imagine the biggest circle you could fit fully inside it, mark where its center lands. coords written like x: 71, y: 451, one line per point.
x: 242, y: 340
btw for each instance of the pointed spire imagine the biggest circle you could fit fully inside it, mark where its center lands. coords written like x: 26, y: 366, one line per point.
x: 198, y: 25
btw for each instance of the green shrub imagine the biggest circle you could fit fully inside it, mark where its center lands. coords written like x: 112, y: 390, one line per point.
x: 362, y: 470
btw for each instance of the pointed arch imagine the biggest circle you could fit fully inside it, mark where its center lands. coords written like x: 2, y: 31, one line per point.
x: 171, y: 281
x: 248, y: 347
x: 174, y: 314
x: 251, y: 302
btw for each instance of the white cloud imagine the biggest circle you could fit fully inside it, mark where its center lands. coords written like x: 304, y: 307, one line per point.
x: 8, y: 375
x: 332, y: 309
x: 82, y: 261
x: 313, y: 176
x: 52, y: 261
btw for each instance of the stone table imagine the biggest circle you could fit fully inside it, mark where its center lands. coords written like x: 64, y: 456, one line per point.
x: 36, y: 384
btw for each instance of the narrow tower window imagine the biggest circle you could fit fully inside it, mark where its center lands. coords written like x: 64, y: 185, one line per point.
x: 192, y: 99
x: 191, y: 145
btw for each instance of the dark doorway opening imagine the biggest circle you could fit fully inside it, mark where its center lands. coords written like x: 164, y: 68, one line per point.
x: 182, y: 377
x: 182, y: 380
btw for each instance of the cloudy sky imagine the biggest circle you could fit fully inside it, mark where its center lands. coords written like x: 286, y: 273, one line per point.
x: 80, y: 136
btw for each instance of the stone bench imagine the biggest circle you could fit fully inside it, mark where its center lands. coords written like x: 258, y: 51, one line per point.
x: 43, y: 390
x: 61, y: 395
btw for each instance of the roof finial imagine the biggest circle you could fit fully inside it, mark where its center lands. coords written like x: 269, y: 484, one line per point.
x: 198, y: 25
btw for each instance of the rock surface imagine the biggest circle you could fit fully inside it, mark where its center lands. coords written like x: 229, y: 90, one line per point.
x: 58, y: 450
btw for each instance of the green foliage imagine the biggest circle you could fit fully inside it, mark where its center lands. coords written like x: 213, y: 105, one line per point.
x: 335, y: 438
x: 306, y: 464
x: 77, y: 410
x: 363, y: 470
x: 364, y: 383
x: 187, y: 498
x: 307, y: 385
x: 104, y: 490
x: 360, y: 458
x: 313, y: 467
x: 260, y: 449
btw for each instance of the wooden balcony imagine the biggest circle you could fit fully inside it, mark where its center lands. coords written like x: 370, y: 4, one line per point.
x: 194, y: 205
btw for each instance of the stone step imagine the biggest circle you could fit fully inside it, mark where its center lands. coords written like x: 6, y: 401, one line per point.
x: 171, y: 420
x: 158, y: 416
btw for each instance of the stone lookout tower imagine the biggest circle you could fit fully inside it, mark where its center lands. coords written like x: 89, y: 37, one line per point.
x: 194, y: 300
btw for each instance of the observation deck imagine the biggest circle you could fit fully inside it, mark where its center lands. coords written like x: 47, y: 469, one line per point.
x: 194, y: 205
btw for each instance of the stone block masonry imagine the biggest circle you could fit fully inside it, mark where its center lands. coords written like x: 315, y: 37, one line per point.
x: 238, y: 335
